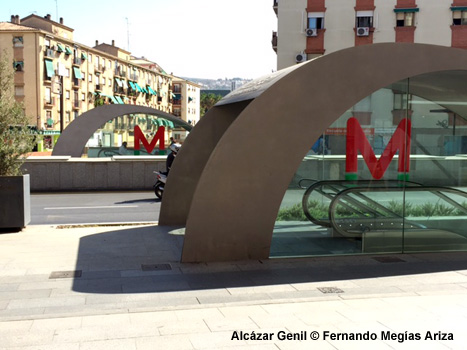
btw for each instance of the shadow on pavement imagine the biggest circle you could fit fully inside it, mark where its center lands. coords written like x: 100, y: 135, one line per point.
x: 146, y: 259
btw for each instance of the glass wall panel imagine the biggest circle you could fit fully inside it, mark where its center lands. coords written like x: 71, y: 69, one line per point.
x: 389, y: 175
x: 314, y: 218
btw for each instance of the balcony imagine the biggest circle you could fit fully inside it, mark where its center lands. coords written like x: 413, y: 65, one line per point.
x: 49, y: 102
x: 77, y: 61
x: 274, y: 41
x: 98, y: 87
x: 76, y: 104
x: 76, y: 83
x: 97, y: 68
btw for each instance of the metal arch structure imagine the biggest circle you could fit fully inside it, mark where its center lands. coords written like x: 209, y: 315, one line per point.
x: 256, y: 138
x: 73, y: 139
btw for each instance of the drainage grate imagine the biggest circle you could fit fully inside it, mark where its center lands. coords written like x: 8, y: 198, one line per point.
x: 388, y: 259
x: 66, y: 274
x: 156, y: 267
x: 327, y: 290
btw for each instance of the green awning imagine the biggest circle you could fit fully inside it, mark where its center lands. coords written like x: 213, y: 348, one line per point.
x: 68, y: 51
x: 119, y: 100
x: 132, y: 85
x: 139, y: 88
x: 119, y: 82
x: 125, y: 85
x: 412, y: 9
x: 177, y: 96
x: 60, y: 48
x: 113, y: 100
x: 172, y: 94
x: 77, y: 72
x: 84, y: 56
x: 49, y: 66
x: 151, y: 91
x: 458, y: 8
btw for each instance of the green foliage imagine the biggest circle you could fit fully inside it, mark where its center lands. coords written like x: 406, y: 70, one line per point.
x: 294, y: 213
x: 16, y: 138
x: 320, y: 210
x: 208, y: 101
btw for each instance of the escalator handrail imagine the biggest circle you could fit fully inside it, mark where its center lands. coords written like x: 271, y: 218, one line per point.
x: 330, y: 196
x: 432, y: 189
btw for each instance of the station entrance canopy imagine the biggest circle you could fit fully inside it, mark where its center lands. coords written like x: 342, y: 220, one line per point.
x: 242, y: 167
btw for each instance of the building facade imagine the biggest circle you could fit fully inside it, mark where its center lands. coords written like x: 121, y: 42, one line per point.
x: 58, y: 79
x: 311, y: 28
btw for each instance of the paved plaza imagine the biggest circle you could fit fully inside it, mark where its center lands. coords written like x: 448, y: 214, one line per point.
x: 123, y: 287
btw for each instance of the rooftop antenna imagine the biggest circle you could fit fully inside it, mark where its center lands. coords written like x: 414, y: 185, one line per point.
x: 56, y: 10
x: 127, y: 34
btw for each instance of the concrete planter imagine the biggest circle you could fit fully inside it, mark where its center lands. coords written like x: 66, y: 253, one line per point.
x: 15, y: 202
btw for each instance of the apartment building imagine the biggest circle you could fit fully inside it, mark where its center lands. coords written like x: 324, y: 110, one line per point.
x: 58, y: 79
x: 311, y: 28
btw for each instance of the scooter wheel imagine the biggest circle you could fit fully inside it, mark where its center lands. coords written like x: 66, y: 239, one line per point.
x: 158, y: 190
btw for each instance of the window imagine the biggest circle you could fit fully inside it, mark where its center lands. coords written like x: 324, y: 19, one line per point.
x: 110, y: 82
x: 90, y: 78
x: 364, y: 19
x: 17, y: 41
x: 48, y: 95
x: 18, y: 66
x: 459, y: 18
x: 47, y: 43
x: 90, y: 58
x: 67, y: 72
x: 50, y: 121
x: 400, y: 100
x: 405, y: 19
x: 315, y: 20
x: 83, y: 96
x: 67, y: 117
x: 67, y: 94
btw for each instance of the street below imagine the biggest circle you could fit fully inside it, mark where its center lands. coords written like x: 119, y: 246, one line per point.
x: 94, y: 208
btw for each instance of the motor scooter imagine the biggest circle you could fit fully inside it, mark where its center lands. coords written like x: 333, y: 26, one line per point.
x: 161, y: 178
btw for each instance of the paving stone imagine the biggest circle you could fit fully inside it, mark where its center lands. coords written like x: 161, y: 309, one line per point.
x: 114, y: 344
x: 168, y: 342
x: 29, y: 294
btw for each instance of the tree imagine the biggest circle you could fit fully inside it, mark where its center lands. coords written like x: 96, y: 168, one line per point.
x: 208, y: 101
x: 16, y: 137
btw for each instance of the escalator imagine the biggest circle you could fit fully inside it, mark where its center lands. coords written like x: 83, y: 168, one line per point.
x: 390, y: 216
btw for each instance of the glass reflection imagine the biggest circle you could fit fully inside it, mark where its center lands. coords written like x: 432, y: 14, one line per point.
x: 328, y: 210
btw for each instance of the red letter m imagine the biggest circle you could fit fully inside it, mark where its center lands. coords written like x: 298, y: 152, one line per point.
x: 139, y: 136
x: 357, y: 141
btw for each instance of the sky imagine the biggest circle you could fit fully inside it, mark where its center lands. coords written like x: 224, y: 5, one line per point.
x: 213, y: 39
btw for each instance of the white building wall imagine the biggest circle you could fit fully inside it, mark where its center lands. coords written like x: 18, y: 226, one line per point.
x: 433, y: 25
x: 384, y: 21
x: 339, y: 22
x: 434, y: 22
x: 292, y: 39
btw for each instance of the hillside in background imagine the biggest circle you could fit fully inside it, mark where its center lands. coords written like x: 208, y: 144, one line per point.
x: 219, y: 84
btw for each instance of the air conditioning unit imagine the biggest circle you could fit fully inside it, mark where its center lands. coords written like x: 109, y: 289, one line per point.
x: 301, y: 57
x: 363, y: 31
x: 311, y: 32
